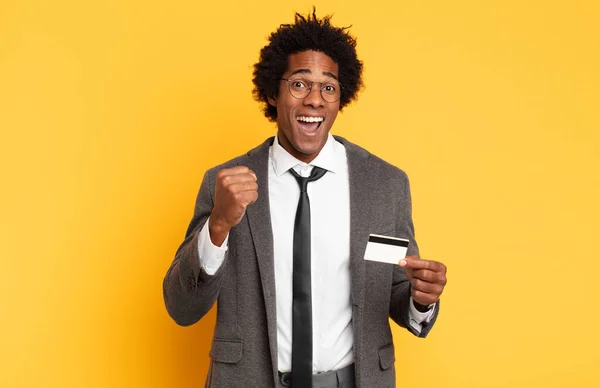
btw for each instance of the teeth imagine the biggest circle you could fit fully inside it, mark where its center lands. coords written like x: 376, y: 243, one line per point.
x: 309, y: 119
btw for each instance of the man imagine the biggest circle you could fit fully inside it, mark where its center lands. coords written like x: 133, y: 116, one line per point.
x: 279, y: 235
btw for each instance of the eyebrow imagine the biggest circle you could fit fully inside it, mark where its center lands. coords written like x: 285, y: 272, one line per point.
x: 306, y: 71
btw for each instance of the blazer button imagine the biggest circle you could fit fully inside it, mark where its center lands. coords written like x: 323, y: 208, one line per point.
x: 192, y: 284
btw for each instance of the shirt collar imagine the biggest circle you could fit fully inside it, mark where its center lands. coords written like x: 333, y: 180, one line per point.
x: 283, y: 160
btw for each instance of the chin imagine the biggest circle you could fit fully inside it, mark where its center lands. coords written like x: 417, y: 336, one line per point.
x: 309, y: 147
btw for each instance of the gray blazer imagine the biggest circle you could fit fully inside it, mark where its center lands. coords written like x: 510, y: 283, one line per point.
x: 244, y: 347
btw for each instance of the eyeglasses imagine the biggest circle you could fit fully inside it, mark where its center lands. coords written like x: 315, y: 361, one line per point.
x: 300, y: 88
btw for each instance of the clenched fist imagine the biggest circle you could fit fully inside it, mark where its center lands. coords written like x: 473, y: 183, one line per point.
x: 235, y: 189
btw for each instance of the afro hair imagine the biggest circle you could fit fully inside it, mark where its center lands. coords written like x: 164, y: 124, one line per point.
x: 307, y: 33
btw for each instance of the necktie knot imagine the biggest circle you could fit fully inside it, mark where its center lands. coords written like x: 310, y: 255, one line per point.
x: 316, y: 173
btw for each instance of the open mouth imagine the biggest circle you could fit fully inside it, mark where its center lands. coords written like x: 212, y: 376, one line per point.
x: 310, y: 124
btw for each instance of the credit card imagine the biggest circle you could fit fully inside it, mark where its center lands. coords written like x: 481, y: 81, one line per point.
x: 386, y: 249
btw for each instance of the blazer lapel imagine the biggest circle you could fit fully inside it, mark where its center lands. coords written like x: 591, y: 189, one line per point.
x: 259, y: 219
x: 360, y: 175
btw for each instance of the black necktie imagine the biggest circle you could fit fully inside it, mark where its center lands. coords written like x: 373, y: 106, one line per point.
x: 302, y: 349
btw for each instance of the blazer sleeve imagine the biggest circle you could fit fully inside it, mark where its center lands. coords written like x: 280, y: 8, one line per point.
x: 189, y: 292
x: 400, y: 296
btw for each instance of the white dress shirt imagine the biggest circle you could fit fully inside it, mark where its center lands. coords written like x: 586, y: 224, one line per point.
x: 330, y: 255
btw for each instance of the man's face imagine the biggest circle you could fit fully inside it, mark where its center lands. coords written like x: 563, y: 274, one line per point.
x: 300, y: 131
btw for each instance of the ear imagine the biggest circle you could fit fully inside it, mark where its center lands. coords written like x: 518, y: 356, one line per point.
x: 272, y: 101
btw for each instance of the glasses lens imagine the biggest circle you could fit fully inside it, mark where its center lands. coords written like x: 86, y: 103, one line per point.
x: 330, y: 91
x: 299, y: 88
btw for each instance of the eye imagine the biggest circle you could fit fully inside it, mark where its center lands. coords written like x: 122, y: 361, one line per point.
x: 298, y: 84
x: 329, y: 88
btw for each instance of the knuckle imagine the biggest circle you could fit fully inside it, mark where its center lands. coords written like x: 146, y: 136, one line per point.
x: 428, y: 287
x: 417, y: 283
x: 223, y: 173
x: 440, y: 290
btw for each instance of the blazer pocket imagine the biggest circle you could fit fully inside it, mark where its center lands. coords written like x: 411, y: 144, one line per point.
x: 386, y: 356
x: 227, y: 351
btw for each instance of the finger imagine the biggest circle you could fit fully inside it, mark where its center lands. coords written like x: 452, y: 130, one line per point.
x: 403, y: 262
x: 238, y: 170
x: 428, y: 288
x: 429, y: 276
x: 247, y: 197
x: 234, y: 171
x: 243, y: 186
x: 253, y: 197
x: 228, y: 180
x: 415, y: 263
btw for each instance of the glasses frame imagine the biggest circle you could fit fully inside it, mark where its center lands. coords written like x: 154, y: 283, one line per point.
x: 289, y: 82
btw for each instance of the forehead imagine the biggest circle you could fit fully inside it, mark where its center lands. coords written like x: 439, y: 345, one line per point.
x: 312, y: 62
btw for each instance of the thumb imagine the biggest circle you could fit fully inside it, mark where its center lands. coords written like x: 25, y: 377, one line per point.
x: 407, y: 261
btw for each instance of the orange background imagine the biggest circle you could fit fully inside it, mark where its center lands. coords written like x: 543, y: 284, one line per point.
x: 110, y: 112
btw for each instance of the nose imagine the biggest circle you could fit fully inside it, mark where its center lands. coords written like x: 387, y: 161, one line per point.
x: 314, y: 98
